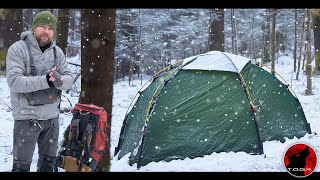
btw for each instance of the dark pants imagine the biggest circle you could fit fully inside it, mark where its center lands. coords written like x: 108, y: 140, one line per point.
x: 26, y: 134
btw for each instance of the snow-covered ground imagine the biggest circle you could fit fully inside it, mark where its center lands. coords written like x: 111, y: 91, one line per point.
x: 272, y: 160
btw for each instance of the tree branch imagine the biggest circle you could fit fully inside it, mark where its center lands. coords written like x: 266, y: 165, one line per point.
x: 74, y: 64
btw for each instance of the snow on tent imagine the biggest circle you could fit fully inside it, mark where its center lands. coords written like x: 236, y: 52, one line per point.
x: 212, y: 102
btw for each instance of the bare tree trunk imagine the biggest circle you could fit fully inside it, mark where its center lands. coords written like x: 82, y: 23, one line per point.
x: 278, y: 47
x: 209, y: 29
x: 295, y: 41
x: 301, y: 46
x: 123, y: 72
x: 273, y: 40
x: 235, y: 34
x: 62, y: 31
x: 140, y: 48
x: 316, y: 33
x: 308, y: 64
x: 217, y: 31
x: 72, y: 24
x: 232, y: 31
x: 97, y: 60
x: 13, y: 25
x: 131, y: 71
x: 266, y: 38
x: 252, y: 52
x: 10, y: 30
x: 304, y: 55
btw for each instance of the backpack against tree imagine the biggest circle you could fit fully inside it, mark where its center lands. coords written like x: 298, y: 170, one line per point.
x: 87, y: 140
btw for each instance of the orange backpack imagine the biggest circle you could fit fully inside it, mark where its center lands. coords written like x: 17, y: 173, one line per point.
x: 87, y: 139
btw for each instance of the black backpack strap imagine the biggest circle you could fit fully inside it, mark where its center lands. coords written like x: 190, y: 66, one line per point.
x: 55, y: 63
x: 55, y: 55
x: 33, y: 68
x: 86, y: 140
x: 58, y: 162
x: 74, y: 130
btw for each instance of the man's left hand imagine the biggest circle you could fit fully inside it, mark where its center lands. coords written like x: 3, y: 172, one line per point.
x: 55, y: 77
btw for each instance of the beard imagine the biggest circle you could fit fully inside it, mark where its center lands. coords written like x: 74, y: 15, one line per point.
x: 43, y: 39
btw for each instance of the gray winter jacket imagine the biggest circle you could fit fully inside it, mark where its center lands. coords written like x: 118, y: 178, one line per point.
x: 20, y: 81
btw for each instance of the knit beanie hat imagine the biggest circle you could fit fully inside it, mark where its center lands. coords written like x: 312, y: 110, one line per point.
x: 45, y: 18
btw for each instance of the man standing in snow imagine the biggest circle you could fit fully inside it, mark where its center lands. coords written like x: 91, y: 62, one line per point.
x: 37, y: 72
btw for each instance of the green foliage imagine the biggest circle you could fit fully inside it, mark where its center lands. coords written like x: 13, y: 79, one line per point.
x: 316, y: 69
x: 3, y: 55
x: 315, y: 13
x: 2, y: 13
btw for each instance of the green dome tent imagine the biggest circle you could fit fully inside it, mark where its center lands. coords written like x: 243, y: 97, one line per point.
x: 212, y: 102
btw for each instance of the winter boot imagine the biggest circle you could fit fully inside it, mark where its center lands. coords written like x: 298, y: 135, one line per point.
x: 47, y: 164
x: 18, y: 167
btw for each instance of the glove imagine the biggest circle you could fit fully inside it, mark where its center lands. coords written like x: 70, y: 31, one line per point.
x: 50, y: 83
x: 58, y: 78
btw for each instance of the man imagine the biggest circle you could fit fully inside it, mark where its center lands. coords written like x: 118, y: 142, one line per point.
x: 36, y: 73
